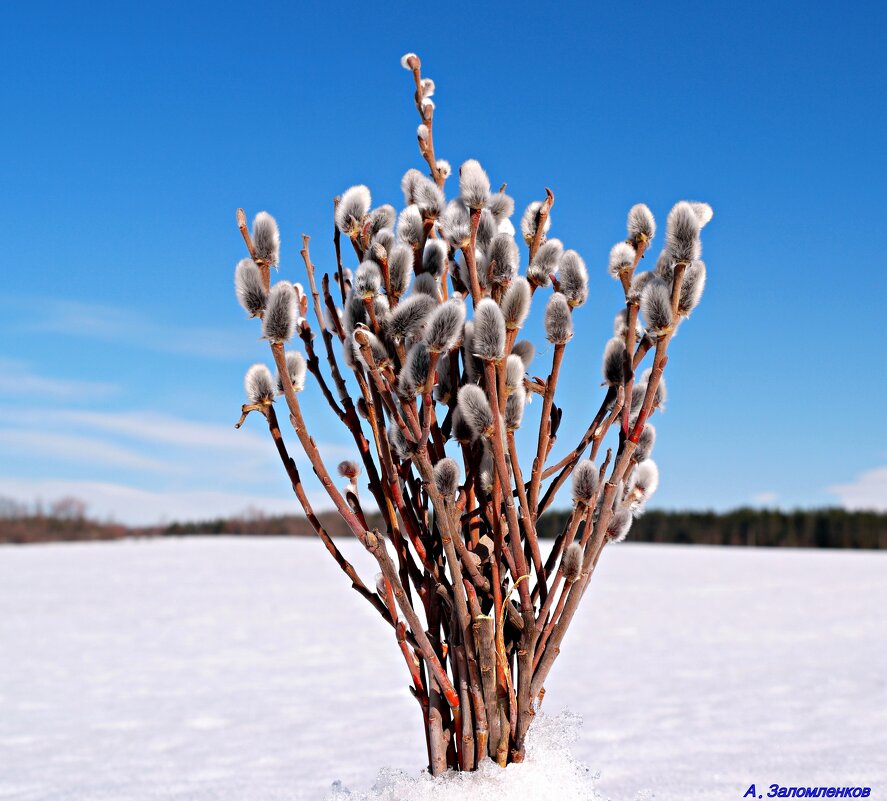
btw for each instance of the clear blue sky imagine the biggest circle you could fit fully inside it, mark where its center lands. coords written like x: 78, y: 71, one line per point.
x: 132, y: 133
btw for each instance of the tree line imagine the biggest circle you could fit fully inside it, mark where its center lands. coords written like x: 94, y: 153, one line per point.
x: 67, y: 520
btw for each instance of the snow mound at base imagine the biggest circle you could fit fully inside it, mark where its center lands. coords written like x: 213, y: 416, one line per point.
x: 550, y: 771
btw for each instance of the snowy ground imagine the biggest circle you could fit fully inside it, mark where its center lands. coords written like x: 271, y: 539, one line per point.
x: 246, y: 670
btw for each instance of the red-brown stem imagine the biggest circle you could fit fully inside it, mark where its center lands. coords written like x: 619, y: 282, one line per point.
x: 470, y: 261
x: 545, y: 429
x: 541, y: 217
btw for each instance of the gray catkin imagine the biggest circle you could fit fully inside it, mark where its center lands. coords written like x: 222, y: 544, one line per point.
x: 426, y: 284
x: 446, y: 477
x: 656, y: 306
x: 455, y: 224
x: 545, y: 262
x: 645, y: 443
x: 443, y: 390
x: 614, y: 362
x: 400, y: 268
x: 367, y: 280
x: 571, y: 565
x: 348, y: 469
x: 515, y: 404
x: 475, y: 409
x: 503, y: 258
x: 410, y: 229
x: 414, y: 373
x: 516, y: 303
x: 459, y: 428
x: 266, y: 238
x: 619, y: 526
x: 429, y: 198
x: 573, y: 278
x: 444, y: 329
x: 489, y: 331
x: 692, y: 287
x: 682, y: 233
x: 530, y: 221
x: 279, y: 322
x: 558, y: 320
x: 249, y: 287
x: 398, y: 441
x: 352, y: 208
x: 622, y: 256
x: 486, y: 230
x: 501, y: 206
x: 704, y: 213
x: 381, y: 219
x: 410, y: 316
x: 435, y: 258
x: 638, y: 282
x: 514, y: 372
x: 258, y: 384
x: 297, y: 368
x: 474, y: 184
x: 641, y: 224
x: 526, y: 350
x: 585, y: 482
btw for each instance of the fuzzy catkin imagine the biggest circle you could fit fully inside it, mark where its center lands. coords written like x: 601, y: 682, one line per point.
x: 410, y: 229
x: 474, y: 184
x: 445, y: 326
x: 571, y: 564
x: 414, y: 373
x: 573, y: 278
x: 529, y: 223
x: 619, y: 525
x: 249, y: 287
x: 501, y: 206
x: 475, y: 410
x: 446, y: 477
x: 514, y: 372
x: 515, y: 404
x: 645, y: 443
x: 434, y: 258
x: 296, y: 367
x: 367, y: 280
x: 558, y: 320
x: 622, y: 256
x: 352, y: 208
x: 503, y: 258
x: 381, y: 219
x: 400, y: 268
x: 516, y: 303
x: 682, y: 234
x: 489, y: 331
x: 641, y: 224
x: 279, y: 322
x: 455, y: 223
x: 692, y: 287
x: 614, y: 362
x: 656, y: 306
x: 258, y: 384
x: 426, y: 284
x: 545, y: 262
x: 526, y: 350
x: 266, y: 238
x: 410, y: 315
x: 585, y: 482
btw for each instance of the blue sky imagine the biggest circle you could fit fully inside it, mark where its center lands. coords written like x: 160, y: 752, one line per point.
x: 132, y: 134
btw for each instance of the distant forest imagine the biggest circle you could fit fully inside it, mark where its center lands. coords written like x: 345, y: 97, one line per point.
x: 67, y: 520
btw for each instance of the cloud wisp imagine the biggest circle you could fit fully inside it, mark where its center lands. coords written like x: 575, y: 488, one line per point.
x: 868, y: 491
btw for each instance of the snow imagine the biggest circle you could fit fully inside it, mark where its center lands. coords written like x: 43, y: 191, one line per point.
x: 225, y: 669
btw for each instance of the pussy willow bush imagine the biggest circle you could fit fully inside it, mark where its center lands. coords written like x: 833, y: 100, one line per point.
x: 426, y: 328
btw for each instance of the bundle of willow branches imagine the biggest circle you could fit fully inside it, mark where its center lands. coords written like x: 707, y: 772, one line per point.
x: 477, y: 610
